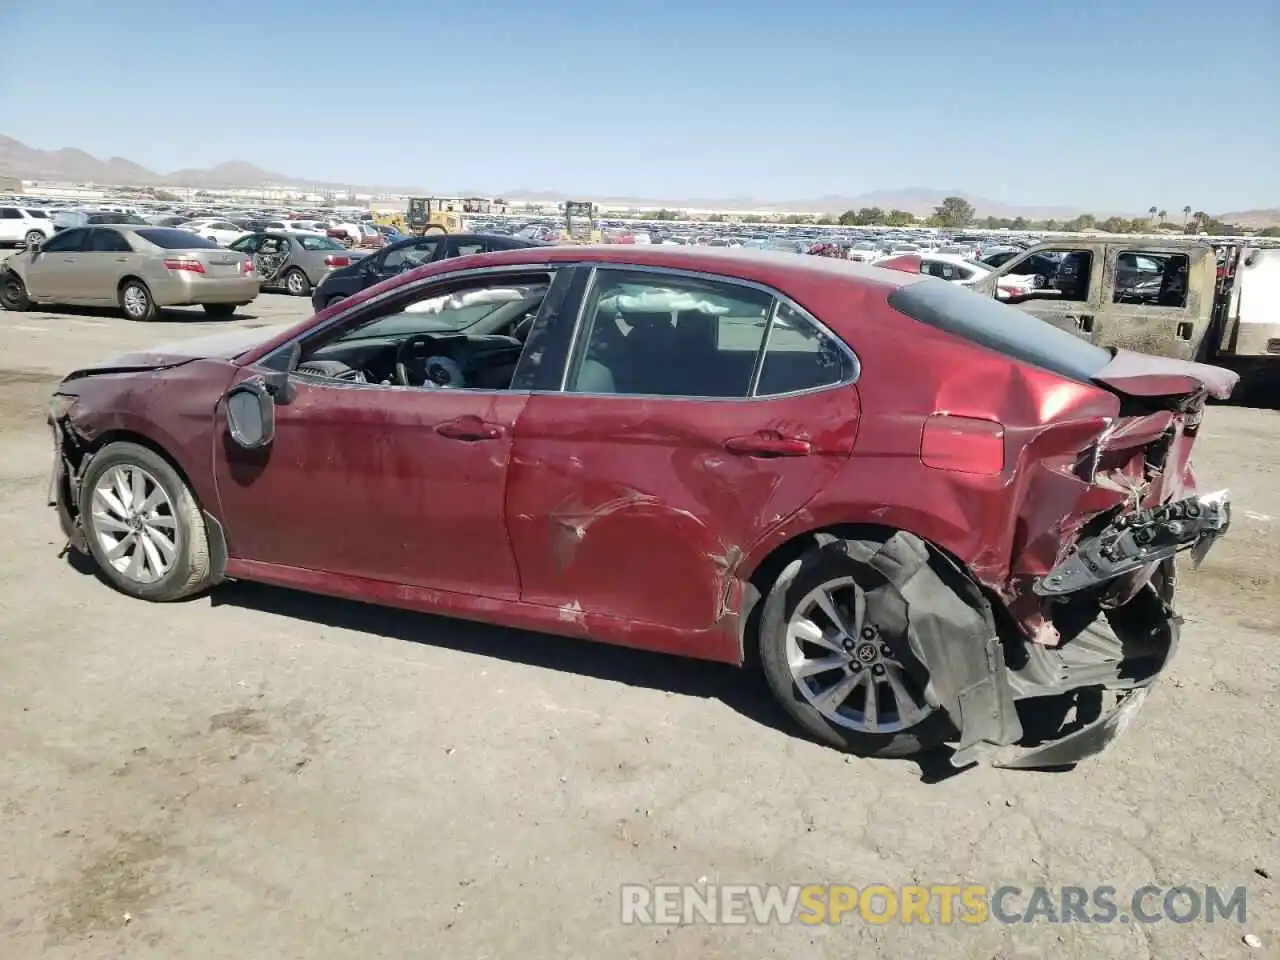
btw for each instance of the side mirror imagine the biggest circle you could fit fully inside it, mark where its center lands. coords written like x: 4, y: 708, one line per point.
x: 251, y: 414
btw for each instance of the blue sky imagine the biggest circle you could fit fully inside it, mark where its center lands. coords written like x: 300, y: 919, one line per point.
x: 1112, y: 107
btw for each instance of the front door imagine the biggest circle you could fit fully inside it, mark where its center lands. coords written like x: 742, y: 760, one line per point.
x: 1071, y: 278
x: 108, y: 257
x: 669, y: 450
x: 379, y: 482
x: 53, y: 272
x: 376, y: 473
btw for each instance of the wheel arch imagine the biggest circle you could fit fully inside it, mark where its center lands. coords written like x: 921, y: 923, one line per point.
x: 136, y: 279
x: 759, y: 574
x: 91, y: 448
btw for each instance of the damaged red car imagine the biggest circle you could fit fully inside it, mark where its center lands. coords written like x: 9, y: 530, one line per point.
x: 929, y: 518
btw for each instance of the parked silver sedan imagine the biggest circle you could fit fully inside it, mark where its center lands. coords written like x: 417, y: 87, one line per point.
x: 140, y: 269
x: 295, y: 262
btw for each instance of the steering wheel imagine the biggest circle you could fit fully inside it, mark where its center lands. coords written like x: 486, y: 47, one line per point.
x: 419, y: 363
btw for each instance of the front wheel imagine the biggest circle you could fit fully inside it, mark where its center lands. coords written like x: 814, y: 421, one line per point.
x: 143, y: 525
x: 834, y: 649
x: 136, y: 302
x: 13, y: 293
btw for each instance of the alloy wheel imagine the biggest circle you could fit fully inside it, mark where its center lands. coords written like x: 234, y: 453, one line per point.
x: 135, y: 300
x: 135, y: 524
x: 294, y: 283
x: 845, y: 668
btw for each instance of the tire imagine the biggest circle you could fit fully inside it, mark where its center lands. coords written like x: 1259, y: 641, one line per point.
x: 332, y: 300
x: 33, y: 237
x: 220, y: 311
x: 296, y: 283
x: 13, y: 293
x: 177, y: 518
x: 885, y: 617
x: 136, y: 302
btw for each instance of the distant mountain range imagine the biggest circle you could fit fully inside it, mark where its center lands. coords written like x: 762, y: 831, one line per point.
x: 74, y: 165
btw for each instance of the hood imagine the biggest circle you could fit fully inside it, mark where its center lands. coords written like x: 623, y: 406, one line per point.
x: 220, y: 346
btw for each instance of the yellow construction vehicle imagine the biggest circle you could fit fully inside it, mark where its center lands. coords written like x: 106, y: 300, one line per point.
x: 432, y: 214
x: 580, y: 222
x: 444, y: 214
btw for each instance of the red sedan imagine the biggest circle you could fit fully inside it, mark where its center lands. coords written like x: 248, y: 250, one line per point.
x: 928, y: 517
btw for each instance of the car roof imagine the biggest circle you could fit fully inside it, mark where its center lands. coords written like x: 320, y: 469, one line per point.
x: 744, y: 263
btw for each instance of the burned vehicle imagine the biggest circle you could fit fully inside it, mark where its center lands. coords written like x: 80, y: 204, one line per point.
x: 712, y: 453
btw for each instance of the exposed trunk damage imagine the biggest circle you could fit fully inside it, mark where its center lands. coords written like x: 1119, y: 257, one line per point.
x: 1090, y: 583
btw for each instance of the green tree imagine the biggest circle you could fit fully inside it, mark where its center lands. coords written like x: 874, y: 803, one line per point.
x: 1186, y: 213
x: 953, y: 212
x: 1163, y: 215
x: 899, y: 218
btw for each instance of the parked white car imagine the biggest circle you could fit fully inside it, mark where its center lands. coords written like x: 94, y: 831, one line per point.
x: 24, y: 225
x: 958, y: 269
x: 222, y: 232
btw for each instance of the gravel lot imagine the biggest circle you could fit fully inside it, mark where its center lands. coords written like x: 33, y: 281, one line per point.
x: 258, y: 773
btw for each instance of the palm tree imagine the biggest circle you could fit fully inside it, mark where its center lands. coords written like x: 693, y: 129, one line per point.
x: 1186, y: 212
x: 1151, y: 213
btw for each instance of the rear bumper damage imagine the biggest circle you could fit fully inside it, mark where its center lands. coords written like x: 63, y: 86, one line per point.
x: 1021, y: 704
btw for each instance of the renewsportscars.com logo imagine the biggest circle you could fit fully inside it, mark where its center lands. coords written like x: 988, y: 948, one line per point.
x: 834, y: 903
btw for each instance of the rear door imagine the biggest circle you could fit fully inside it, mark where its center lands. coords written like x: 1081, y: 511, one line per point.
x: 691, y: 417
x: 12, y: 225
x: 106, y: 260
x: 1156, y: 301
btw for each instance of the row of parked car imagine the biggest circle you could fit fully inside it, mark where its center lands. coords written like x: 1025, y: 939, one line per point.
x: 143, y: 268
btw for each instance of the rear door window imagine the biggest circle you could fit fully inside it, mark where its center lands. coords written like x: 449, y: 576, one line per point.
x: 665, y: 335
x: 108, y: 241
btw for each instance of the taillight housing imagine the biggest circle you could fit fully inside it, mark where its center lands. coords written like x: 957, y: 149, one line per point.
x: 337, y: 261
x: 184, y: 264
x: 957, y: 444
x: 246, y: 266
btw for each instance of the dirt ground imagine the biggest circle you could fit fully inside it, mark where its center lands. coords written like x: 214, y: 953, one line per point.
x: 258, y: 773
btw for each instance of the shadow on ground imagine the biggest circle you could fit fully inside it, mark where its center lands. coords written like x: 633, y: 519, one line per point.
x: 741, y: 690
x: 167, y: 314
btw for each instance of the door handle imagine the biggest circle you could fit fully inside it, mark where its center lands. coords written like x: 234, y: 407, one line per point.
x: 471, y: 429
x: 122, y: 259
x: 769, y: 445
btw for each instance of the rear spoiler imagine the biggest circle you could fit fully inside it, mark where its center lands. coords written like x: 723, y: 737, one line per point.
x: 1144, y: 375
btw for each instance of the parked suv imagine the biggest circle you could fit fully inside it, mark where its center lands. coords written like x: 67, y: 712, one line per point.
x: 23, y: 225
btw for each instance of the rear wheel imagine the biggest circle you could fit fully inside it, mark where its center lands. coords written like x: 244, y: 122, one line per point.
x: 334, y: 299
x: 13, y: 293
x: 136, y: 302
x: 296, y: 283
x: 220, y: 311
x: 834, y: 648
x: 143, y: 525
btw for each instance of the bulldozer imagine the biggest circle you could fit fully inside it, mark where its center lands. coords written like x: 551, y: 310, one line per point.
x: 432, y: 214
x: 444, y: 214
x: 580, y: 222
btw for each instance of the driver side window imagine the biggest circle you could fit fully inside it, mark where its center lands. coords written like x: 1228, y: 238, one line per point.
x: 466, y: 334
x: 410, y: 256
